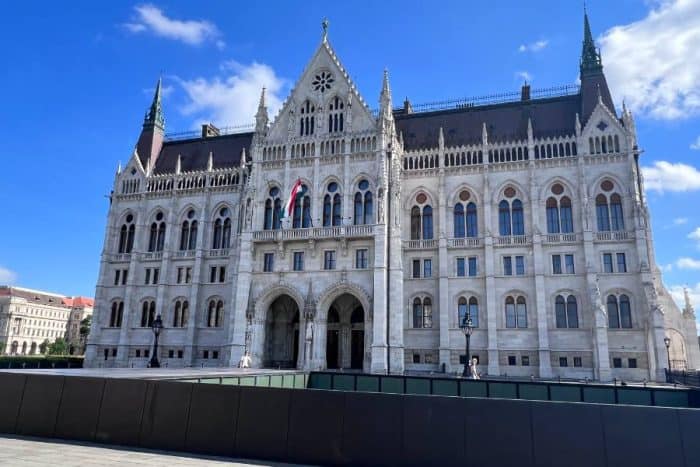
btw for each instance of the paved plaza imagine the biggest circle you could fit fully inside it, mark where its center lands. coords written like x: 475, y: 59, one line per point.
x: 25, y: 451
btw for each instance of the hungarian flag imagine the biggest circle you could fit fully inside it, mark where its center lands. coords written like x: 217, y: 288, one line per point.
x: 297, y: 190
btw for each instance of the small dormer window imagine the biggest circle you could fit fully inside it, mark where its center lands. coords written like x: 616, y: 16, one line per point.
x: 322, y: 81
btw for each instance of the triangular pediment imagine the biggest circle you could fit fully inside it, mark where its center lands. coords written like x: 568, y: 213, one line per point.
x: 602, y: 120
x: 324, y: 78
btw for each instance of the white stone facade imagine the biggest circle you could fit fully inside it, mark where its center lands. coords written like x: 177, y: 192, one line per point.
x: 354, y: 307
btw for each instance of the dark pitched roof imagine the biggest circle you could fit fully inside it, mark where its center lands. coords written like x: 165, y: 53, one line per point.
x: 194, y: 153
x: 504, y: 122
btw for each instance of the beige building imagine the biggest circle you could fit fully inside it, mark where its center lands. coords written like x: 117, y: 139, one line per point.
x: 29, y: 317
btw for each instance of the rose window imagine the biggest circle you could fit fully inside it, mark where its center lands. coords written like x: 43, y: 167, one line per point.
x: 322, y: 81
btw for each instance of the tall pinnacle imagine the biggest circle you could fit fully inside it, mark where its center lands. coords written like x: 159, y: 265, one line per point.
x: 261, y: 117
x: 590, y: 57
x: 324, y: 26
x: 385, y: 106
x: 154, y: 116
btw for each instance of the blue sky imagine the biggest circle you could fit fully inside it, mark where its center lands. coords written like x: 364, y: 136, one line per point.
x: 78, y: 77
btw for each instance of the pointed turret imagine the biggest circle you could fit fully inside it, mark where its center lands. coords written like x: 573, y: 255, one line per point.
x: 530, y: 134
x: 441, y: 139
x: 594, y: 87
x: 151, y: 139
x: 261, y: 117
x: 210, y: 162
x: 590, y: 56
x: 386, y: 116
x: 244, y: 159
x: 178, y: 165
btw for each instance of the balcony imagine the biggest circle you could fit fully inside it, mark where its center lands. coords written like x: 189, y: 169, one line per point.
x: 220, y: 253
x: 420, y: 244
x: 465, y: 242
x: 614, y: 236
x: 120, y: 258
x: 152, y: 256
x: 184, y: 254
x: 561, y: 238
x: 314, y: 233
x: 512, y: 240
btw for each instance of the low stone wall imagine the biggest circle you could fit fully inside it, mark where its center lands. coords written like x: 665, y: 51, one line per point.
x: 345, y: 428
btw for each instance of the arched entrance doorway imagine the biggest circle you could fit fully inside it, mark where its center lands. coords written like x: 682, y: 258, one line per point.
x: 282, y: 334
x: 13, y: 348
x: 24, y: 348
x: 345, y: 333
x: 32, y: 349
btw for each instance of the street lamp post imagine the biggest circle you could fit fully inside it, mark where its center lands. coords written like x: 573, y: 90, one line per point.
x: 467, y: 326
x: 667, y: 343
x: 156, y: 327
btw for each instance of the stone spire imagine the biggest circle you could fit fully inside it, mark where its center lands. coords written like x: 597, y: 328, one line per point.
x: 261, y: 117
x: 178, y: 165
x: 688, y: 310
x: 210, y: 162
x: 154, y: 115
x: 386, y: 115
x: 590, y: 56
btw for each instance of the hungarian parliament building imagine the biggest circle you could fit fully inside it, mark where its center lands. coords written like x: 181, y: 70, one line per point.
x: 334, y: 236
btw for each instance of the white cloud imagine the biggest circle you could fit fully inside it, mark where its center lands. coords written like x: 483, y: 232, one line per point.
x: 687, y: 263
x: 668, y: 176
x: 666, y: 267
x: 695, y: 235
x: 193, y: 32
x: 534, y: 46
x: 652, y: 62
x: 680, y: 221
x: 695, y: 144
x: 233, y: 99
x: 7, y: 277
x: 524, y: 75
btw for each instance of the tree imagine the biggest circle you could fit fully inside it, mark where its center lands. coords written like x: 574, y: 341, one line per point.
x: 58, y: 347
x: 85, y: 327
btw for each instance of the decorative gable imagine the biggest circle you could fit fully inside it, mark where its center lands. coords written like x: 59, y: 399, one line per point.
x: 604, y: 132
x: 315, y: 104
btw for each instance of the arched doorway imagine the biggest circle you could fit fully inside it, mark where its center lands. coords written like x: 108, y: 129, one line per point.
x: 676, y: 351
x: 345, y: 333
x: 13, y: 348
x: 24, y: 348
x: 282, y: 334
x: 32, y: 349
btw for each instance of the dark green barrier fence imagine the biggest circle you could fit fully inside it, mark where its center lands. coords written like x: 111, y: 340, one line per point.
x: 542, y: 391
x: 349, y: 428
x: 26, y: 362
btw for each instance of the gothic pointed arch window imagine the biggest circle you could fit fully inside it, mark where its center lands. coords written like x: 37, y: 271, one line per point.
x: 559, y: 211
x: 273, y: 208
x: 619, y: 312
x: 335, y: 115
x: 126, y: 235
x: 181, y: 313
x: 332, y: 205
x: 156, y: 240
x: 215, y: 313
x: 148, y: 313
x: 467, y: 308
x: 363, y: 204
x: 422, y: 312
x: 307, y: 119
x: 222, y: 229
x: 301, y: 217
x: 566, y: 311
x: 188, y: 232
x: 117, y: 314
x: 609, y: 212
x: 516, y: 312
x: 421, y: 218
x: 465, y: 218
